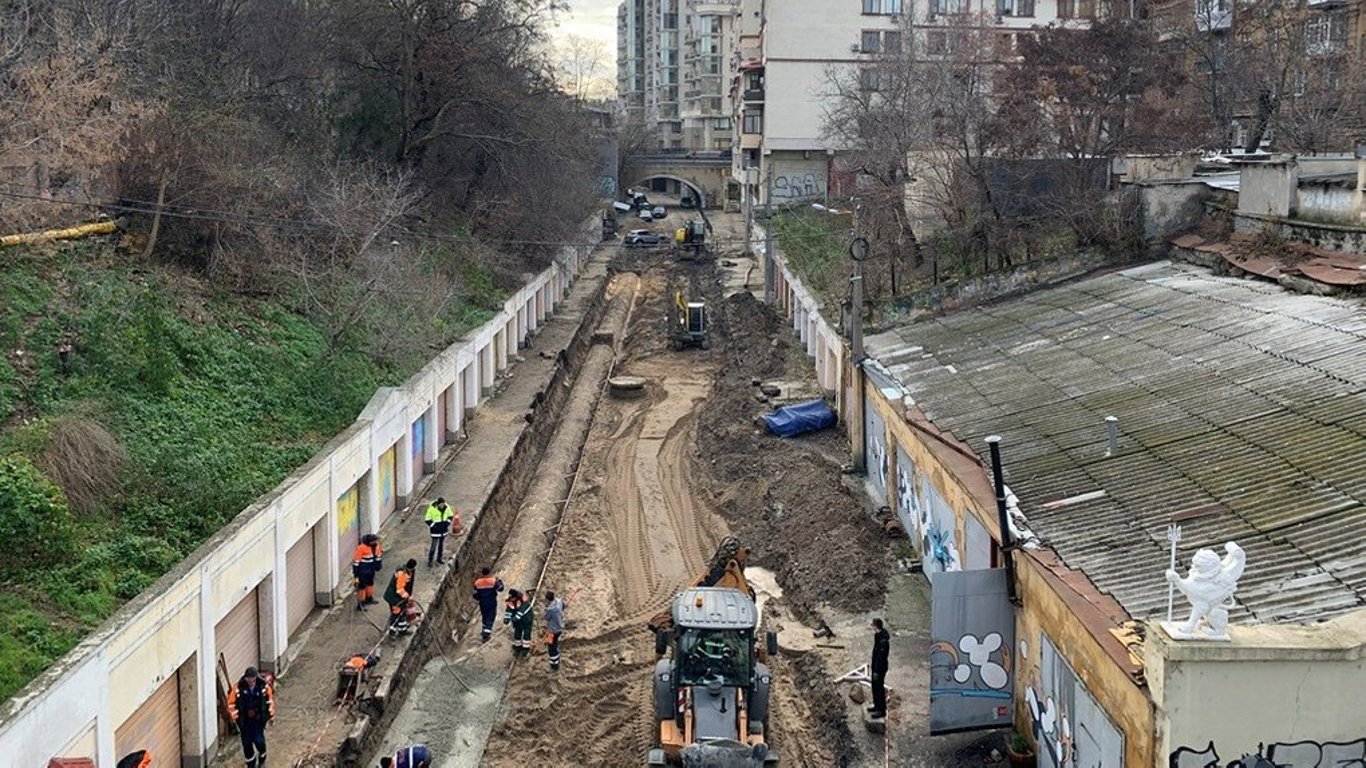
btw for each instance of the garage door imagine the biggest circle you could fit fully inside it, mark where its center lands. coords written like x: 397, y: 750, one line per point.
x: 388, y: 487
x: 238, y: 637
x: 348, y: 530
x: 441, y: 418
x: 155, y: 727
x: 299, y: 591
x: 418, y: 446
x: 83, y: 745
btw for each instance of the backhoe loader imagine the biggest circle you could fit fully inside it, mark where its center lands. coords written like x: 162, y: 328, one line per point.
x: 711, y: 688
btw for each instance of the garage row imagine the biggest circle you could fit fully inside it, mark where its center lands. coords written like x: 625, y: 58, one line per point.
x: 149, y: 678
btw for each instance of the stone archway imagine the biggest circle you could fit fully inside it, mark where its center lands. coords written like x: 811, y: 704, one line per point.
x: 694, y: 186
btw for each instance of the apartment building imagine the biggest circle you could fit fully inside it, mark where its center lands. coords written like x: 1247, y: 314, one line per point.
x: 631, y: 58
x: 1233, y: 49
x: 671, y: 69
x: 784, y: 54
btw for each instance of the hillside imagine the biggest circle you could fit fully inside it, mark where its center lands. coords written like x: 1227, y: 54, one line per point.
x: 181, y: 404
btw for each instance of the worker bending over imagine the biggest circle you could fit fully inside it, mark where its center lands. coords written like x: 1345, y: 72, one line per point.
x: 520, y: 616
x: 416, y: 756
x: 399, y: 595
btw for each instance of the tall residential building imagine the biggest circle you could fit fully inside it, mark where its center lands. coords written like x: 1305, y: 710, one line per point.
x: 631, y: 58
x: 784, y: 54
x: 671, y: 69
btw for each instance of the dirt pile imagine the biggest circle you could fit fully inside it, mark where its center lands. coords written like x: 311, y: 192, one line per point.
x: 788, y: 498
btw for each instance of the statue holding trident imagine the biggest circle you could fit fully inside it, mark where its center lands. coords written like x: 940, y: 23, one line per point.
x: 1209, y: 587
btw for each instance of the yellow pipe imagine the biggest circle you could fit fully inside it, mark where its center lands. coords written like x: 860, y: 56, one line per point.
x: 97, y: 228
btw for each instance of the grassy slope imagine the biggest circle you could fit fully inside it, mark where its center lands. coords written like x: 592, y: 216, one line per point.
x: 214, y: 399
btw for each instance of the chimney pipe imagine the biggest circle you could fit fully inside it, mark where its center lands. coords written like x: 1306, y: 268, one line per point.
x: 1003, y: 516
x: 1112, y: 435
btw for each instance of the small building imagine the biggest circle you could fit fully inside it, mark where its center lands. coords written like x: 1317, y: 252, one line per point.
x: 1240, y: 415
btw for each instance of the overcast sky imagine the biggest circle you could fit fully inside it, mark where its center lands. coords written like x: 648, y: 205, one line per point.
x: 595, y: 19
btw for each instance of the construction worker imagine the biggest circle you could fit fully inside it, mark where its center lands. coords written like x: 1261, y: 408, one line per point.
x: 554, y: 627
x: 366, y: 562
x: 882, y: 646
x: 519, y: 614
x: 416, y: 756
x: 352, y: 675
x: 251, y: 705
x: 398, y: 595
x: 139, y: 759
x: 439, y: 519
x: 486, y: 589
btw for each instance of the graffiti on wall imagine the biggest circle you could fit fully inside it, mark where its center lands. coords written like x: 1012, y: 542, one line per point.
x: 1070, y: 727
x: 797, y: 185
x: 348, y: 509
x: 907, y: 505
x: 387, y: 500
x: 939, y: 532
x: 419, y: 446
x: 875, y: 443
x: 972, y: 625
x: 1298, y: 754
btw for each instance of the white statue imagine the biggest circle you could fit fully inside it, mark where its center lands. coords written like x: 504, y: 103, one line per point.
x: 1209, y: 587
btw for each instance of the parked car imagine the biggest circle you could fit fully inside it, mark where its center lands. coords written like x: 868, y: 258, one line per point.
x: 646, y: 214
x: 642, y: 238
x: 659, y: 212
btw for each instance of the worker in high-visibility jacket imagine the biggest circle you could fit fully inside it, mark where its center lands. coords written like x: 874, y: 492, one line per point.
x: 366, y: 563
x: 398, y: 595
x: 251, y: 705
x: 441, y: 520
x: 518, y: 613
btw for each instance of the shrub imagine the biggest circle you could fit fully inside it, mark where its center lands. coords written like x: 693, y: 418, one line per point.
x: 35, y: 523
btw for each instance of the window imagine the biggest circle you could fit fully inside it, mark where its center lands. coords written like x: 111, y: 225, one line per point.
x: 942, y: 7
x: 721, y: 124
x: 869, y: 79
x: 881, y: 7
x: 936, y: 43
x: 753, y: 123
x: 1081, y: 9
x: 1326, y: 34
x: 1015, y: 7
x: 891, y: 42
x: 871, y: 41
x: 1005, y: 45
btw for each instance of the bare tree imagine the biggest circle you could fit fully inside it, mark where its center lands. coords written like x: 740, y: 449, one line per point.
x: 581, y: 68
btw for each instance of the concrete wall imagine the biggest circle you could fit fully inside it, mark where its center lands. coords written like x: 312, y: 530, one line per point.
x: 1173, y: 207
x: 1270, y: 684
x: 797, y: 175
x: 113, y: 671
x: 1267, y: 188
x: 1334, y: 237
x: 824, y: 344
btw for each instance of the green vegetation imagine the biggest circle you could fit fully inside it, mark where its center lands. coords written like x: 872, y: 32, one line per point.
x: 816, y: 246
x: 180, y: 406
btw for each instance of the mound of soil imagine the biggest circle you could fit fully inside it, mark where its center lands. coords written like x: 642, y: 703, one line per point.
x: 804, y: 519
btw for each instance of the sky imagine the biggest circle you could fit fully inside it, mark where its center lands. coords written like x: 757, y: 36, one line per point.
x: 594, y: 19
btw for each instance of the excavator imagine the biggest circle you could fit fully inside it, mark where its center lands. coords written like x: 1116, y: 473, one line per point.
x: 711, y: 687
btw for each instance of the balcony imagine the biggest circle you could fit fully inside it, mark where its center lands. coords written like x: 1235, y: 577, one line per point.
x: 1213, y: 15
x: 752, y: 95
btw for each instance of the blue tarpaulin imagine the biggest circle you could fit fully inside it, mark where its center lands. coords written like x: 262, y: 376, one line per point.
x: 795, y: 419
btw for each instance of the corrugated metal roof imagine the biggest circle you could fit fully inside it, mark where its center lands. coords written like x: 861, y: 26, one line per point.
x: 1238, y: 402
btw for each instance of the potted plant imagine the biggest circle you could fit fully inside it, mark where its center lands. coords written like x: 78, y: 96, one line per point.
x: 1019, y: 750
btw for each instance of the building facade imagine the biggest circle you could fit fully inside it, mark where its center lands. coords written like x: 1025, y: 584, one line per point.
x: 672, y: 70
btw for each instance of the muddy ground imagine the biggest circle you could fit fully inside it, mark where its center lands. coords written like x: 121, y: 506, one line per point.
x: 663, y: 478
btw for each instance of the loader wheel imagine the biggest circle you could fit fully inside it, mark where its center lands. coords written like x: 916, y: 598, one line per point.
x: 662, y: 642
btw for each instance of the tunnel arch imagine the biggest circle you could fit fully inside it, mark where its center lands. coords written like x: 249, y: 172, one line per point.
x: 694, y: 186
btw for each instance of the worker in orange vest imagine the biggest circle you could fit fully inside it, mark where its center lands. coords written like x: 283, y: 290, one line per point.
x: 366, y: 562
x: 398, y: 595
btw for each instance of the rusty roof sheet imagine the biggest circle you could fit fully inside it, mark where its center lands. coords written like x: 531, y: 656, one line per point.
x: 1241, y: 407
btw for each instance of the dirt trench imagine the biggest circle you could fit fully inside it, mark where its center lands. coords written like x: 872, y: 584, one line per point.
x: 663, y: 478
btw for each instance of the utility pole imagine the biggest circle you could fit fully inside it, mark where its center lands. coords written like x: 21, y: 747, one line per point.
x: 769, y: 282
x: 858, y: 251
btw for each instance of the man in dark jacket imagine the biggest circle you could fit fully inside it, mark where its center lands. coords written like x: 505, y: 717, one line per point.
x: 486, y: 589
x: 882, y: 645
x: 251, y: 705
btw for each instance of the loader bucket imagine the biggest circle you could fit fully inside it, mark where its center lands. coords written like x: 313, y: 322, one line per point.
x: 724, y: 753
